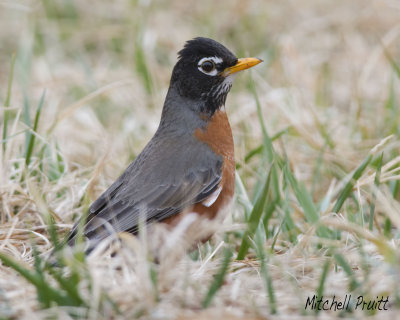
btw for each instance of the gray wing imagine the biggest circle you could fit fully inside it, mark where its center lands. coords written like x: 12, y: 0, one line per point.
x: 166, y: 178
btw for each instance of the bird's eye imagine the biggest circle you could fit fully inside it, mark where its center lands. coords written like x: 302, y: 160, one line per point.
x: 207, y: 66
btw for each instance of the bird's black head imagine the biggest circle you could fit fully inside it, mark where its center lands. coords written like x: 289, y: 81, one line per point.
x: 205, y: 71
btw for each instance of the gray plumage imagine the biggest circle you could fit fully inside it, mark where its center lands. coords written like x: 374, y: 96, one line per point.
x: 175, y: 170
x: 155, y: 185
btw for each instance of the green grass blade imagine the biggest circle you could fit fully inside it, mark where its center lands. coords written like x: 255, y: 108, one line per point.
x: 242, y: 196
x: 24, y: 272
x: 46, y: 294
x: 7, y: 102
x: 253, y: 153
x: 276, y: 235
x: 268, y: 214
x: 55, y: 241
x: 260, y: 148
x: 51, y: 229
x: 341, y: 261
x: 393, y: 63
x: 305, y: 201
x: 302, y: 196
x: 14, y: 135
x: 324, y: 274
x: 265, y: 273
x: 349, y: 186
x: 70, y: 285
x: 41, y: 287
x: 27, y: 120
x: 31, y: 141
x: 255, y: 217
x: 141, y: 65
x: 391, y: 111
x: 219, y: 279
x: 60, y: 160
x: 387, y: 228
x: 44, y: 291
x: 267, y: 142
x: 288, y: 226
x: 154, y: 281
x: 317, y: 170
x: 394, y: 188
x: 376, y: 184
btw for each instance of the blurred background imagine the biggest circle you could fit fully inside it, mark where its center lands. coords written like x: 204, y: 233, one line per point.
x: 327, y: 66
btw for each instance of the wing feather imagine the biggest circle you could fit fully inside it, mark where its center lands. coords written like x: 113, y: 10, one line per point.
x: 154, y: 187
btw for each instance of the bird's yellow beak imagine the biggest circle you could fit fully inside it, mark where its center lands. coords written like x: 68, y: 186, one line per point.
x: 242, y: 64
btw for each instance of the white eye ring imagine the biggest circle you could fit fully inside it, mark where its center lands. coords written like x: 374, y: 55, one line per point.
x: 214, y: 61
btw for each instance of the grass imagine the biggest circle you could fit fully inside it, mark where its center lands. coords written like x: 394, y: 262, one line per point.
x: 317, y: 138
x: 7, y: 103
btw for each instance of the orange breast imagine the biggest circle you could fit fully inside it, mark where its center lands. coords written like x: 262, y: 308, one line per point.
x: 218, y: 136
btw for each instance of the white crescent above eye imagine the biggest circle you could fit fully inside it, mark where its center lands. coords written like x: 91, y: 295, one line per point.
x: 215, y: 60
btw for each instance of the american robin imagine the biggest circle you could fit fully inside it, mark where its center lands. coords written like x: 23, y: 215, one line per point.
x: 189, y: 163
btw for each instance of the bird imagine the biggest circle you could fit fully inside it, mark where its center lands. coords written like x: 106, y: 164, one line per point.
x: 189, y: 164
